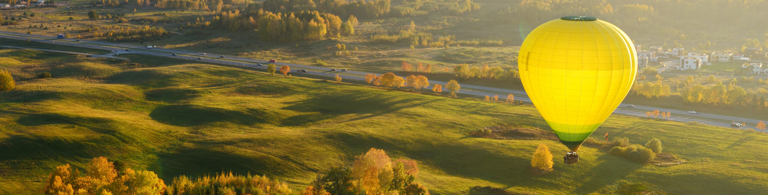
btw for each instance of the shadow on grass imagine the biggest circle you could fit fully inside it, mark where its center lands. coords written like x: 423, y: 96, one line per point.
x: 205, y: 160
x: 193, y: 115
x: 100, y: 125
x: 364, y: 105
x: 171, y: 95
x: 460, y: 160
x: 606, y: 173
x: 29, y: 147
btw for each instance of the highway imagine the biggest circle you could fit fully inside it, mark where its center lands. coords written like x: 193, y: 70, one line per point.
x: 117, y: 48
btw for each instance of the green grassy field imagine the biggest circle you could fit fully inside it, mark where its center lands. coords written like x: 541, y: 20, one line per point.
x: 178, y: 117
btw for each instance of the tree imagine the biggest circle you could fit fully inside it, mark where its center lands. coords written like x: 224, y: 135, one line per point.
x: 487, y: 99
x: 377, y: 81
x: 369, y: 78
x: 437, y: 88
x: 285, y: 69
x: 271, y: 69
x: 93, y: 15
x: 347, y: 29
x: 654, y: 145
x: 542, y: 158
x: 453, y: 86
x: 648, y: 113
x: 510, y: 98
x: 406, y: 67
x: 388, y: 79
x: 338, y: 79
x: 495, y: 98
x: 412, y: 27
x: 711, y: 79
x: 352, y: 20
x: 399, y: 82
x: 421, y: 82
x: 410, y: 81
x: 6, y: 81
x: 760, y: 125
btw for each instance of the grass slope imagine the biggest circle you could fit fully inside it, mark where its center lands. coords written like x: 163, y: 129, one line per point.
x: 177, y: 117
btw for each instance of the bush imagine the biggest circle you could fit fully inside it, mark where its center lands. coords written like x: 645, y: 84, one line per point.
x: 6, y: 81
x: 617, y: 151
x: 645, y: 156
x: 44, y: 75
x: 620, y: 141
x: 655, y: 145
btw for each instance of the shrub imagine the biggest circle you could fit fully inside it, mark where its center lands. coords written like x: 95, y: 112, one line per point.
x: 542, y: 158
x: 6, y: 81
x: 620, y: 141
x: 617, y: 151
x: 645, y: 155
x: 44, y: 75
x: 655, y: 145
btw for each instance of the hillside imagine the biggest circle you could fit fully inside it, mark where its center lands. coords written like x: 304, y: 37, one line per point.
x: 181, y: 117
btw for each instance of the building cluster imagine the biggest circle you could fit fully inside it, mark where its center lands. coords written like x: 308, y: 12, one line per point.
x: 678, y: 59
x: 22, y: 4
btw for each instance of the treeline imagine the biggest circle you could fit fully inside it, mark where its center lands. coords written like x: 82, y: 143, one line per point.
x: 486, y: 72
x: 181, y: 4
x: 145, y: 33
x: 720, y: 94
x: 344, y: 8
x: 294, y: 26
x: 370, y: 173
x: 428, y: 40
x: 646, y: 16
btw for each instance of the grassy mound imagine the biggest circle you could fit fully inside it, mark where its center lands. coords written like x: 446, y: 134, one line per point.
x: 178, y: 118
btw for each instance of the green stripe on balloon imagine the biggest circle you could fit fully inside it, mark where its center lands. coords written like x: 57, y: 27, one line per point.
x: 572, y: 135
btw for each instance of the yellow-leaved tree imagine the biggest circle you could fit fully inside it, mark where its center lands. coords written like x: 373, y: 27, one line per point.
x: 454, y: 86
x: 369, y: 78
x: 399, y: 82
x: 542, y: 158
x: 388, y: 79
x: 6, y: 81
x: 510, y: 98
x: 437, y: 88
x: 338, y: 78
x: 421, y: 82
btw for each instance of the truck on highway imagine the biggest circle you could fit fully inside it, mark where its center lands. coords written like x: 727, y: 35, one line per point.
x: 272, y: 61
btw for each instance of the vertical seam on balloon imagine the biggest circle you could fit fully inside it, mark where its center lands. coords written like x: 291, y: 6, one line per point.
x: 602, y: 105
x: 613, y: 100
x: 567, y: 105
x: 633, y: 59
x: 623, y: 59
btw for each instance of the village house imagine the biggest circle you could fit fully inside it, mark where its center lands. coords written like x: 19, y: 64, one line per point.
x: 689, y: 63
x: 757, y: 68
x: 642, y: 61
x: 721, y: 56
x: 702, y: 56
x: 637, y: 48
x: 648, y: 54
x: 739, y: 57
x: 655, y: 49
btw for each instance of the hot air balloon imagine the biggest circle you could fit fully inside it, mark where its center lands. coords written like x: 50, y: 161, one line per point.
x: 576, y: 70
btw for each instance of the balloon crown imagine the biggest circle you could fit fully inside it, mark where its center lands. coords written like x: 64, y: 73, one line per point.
x: 579, y: 18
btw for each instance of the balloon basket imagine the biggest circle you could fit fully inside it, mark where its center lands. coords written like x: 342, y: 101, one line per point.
x: 571, y: 157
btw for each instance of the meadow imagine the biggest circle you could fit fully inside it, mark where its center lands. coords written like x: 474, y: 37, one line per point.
x: 181, y: 117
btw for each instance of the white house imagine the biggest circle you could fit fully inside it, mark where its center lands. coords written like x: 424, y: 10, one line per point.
x: 678, y: 52
x: 739, y: 57
x: 655, y: 49
x: 642, y: 61
x: 757, y: 68
x: 650, y: 55
x: 687, y: 63
x: 704, y: 57
x: 637, y: 47
x: 721, y: 56
x: 5, y: 6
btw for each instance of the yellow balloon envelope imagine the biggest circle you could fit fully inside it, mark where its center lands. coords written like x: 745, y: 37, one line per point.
x: 576, y: 71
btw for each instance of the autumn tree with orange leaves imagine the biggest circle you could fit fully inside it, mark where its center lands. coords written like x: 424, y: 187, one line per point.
x: 101, y: 177
x: 377, y: 81
x: 495, y: 98
x: 761, y: 125
x: 285, y: 70
x: 510, y: 98
x: 428, y: 69
x: 420, y: 67
x: 407, y: 67
x: 369, y: 78
x: 437, y: 88
x: 487, y: 99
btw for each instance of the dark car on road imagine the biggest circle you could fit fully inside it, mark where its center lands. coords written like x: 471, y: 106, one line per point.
x: 259, y: 64
x: 174, y: 54
x: 344, y: 70
x: 303, y: 70
x: 333, y: 69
